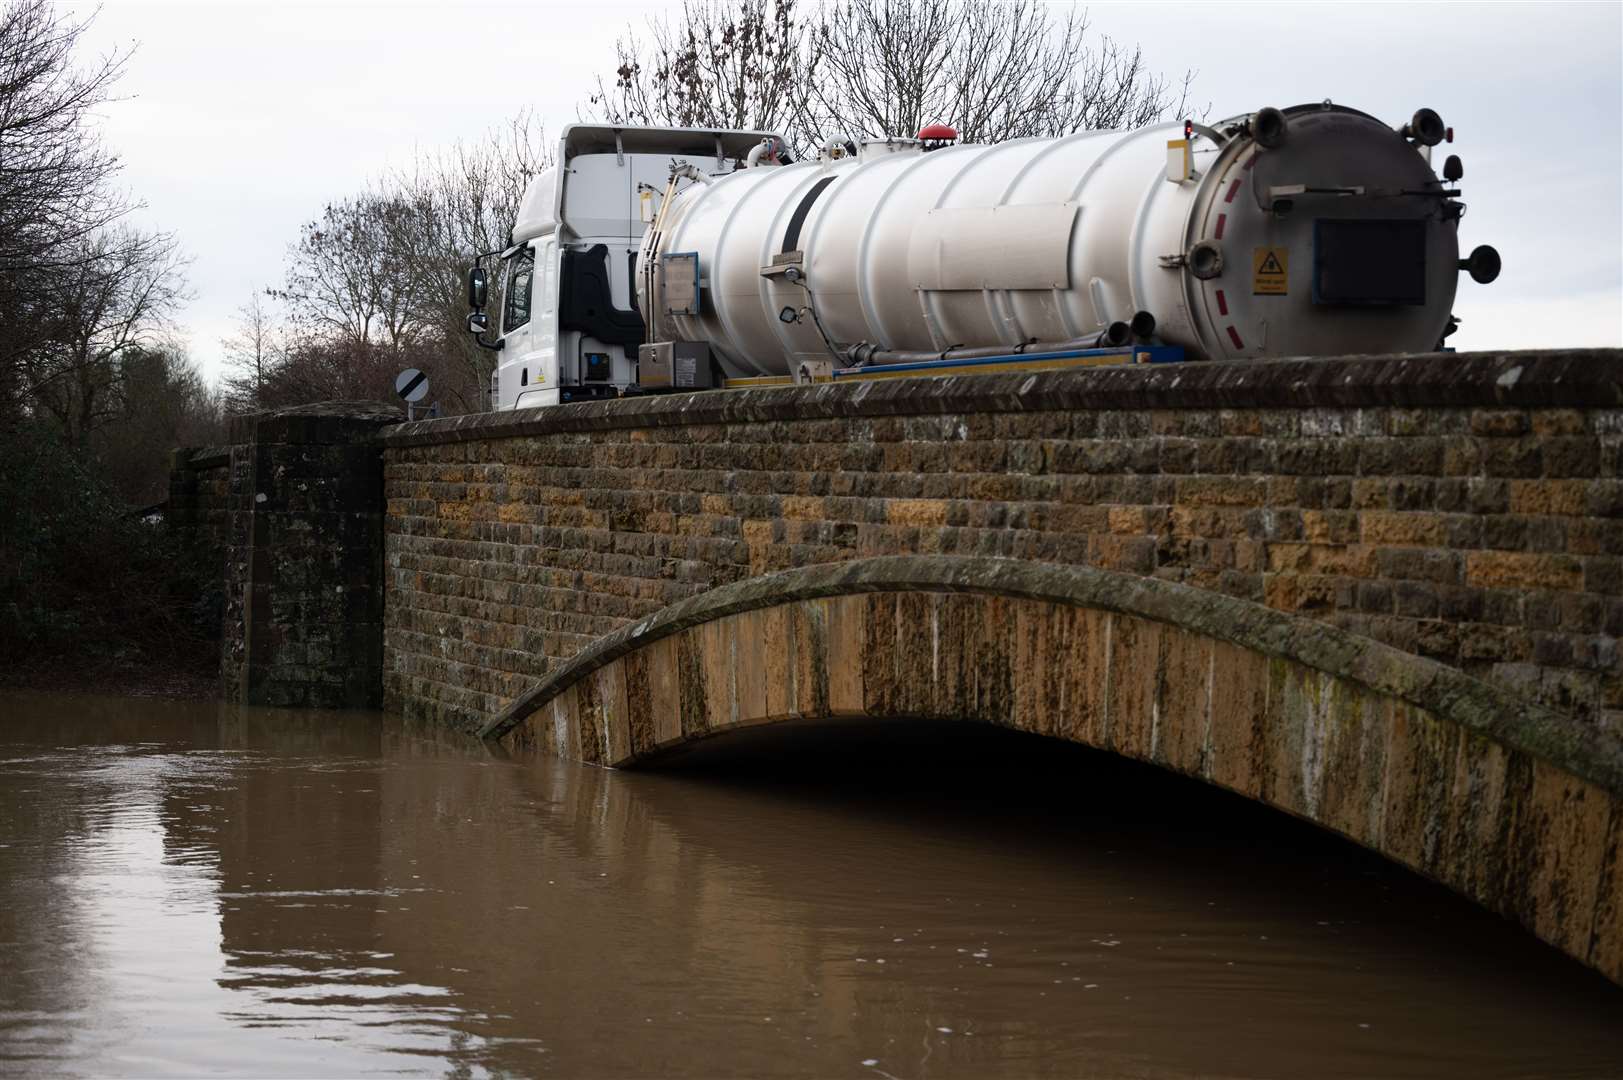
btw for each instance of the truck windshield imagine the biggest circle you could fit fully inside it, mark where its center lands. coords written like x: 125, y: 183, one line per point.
x: 516, y: 305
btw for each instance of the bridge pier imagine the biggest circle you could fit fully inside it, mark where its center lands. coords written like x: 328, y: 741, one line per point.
x: 303, y: 623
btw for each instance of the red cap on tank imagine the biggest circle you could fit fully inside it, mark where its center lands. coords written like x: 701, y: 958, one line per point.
x: 937, y: 131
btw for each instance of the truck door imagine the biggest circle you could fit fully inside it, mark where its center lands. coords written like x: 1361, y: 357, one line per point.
x: 529, y: 364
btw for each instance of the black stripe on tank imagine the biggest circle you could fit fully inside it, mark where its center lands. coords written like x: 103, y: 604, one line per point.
x: 791, y: 239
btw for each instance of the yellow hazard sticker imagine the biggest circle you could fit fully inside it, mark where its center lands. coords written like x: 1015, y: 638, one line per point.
x: 1180, y: 164
x: 1270, y: 271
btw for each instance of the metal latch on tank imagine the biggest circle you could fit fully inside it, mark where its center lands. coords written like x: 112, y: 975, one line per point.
x: 1282, y: 196
x: 788, y: 265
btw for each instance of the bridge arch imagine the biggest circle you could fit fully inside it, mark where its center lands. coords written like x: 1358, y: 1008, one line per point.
x: 1513, y: 804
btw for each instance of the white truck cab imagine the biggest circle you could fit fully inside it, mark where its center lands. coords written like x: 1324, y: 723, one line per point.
x: 569, y: 327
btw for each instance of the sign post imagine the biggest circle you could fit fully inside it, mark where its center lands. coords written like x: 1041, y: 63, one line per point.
x: 412, y: 386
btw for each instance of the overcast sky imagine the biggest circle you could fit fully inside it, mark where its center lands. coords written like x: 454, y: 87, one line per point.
x: 242, y: 119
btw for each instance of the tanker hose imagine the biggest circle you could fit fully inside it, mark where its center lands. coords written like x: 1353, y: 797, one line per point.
x: 838, y: 146
x: 767, y: 148
x: 688, y: 172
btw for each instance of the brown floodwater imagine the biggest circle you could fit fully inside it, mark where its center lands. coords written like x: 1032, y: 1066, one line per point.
x: 189, y: 888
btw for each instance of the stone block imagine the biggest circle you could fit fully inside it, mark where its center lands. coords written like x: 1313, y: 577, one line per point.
x: 1084, y: 653
x: 954, y: 622
x: 1420, y: 758
x: 808, y: 624
x: 1564, y: 457
x: 1220, y: 491
x: 562, y: 738
x: 1038, y: 684
x: 1415, y: 599
x: 916, y: 670
x: 1132, y: 695
x: 1549, y: 422
x: 1546, y: 496
x: 1502, y: 569
x: 1183, y: 702
x: 611, y: 696
x: 1401, y: 529
x: 1472, y: 846
x: 1348, y: 747
x: 1564, y: 840
x: 1330, y: 526
x: 989, y: 658
x: 664, y: 679
x: 717, y: 668
x: 1513, y: 457
x: 1374, y: 596
x: 1499, y: 422
x: 1239, y: 710
x: 1603, y: 574
x: 846, y: 623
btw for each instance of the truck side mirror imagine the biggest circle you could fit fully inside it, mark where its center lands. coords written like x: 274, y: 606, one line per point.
x: 478, y: 288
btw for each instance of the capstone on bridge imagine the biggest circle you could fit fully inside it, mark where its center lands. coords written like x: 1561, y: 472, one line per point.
x: 1383, y: 594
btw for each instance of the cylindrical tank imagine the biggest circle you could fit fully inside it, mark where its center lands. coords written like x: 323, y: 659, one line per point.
x: 1314, y: 230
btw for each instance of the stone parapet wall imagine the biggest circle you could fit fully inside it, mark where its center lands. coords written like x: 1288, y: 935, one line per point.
x: 1466, y: 508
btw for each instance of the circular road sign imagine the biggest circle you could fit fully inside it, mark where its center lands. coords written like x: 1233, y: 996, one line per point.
x: 411, y: 384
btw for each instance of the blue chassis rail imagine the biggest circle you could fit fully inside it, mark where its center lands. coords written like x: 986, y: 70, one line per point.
x: 1143, y: 354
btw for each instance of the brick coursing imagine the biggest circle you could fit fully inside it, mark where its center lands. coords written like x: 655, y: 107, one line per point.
x: 1463, y: 508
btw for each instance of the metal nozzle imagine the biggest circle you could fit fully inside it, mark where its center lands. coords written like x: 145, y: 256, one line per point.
x: 1269, y: 127
x: 1205, y: 260
x: 1425, y: 128
x: 1142, y: 327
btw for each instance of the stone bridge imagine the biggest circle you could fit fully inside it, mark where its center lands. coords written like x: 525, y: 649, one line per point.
x: 1383, y: 594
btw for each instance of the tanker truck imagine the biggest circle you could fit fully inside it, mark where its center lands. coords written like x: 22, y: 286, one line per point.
x: 659, y: 259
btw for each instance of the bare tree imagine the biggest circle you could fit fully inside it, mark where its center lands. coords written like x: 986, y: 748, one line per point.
x: 994, y: 69
x: 162, y: 402
x: 378, y: 281
x: 466, y: 200
x: 93, y: 391
x: 342, y: 281
x: 55, y: 173
x: 252, y: 354
x: 120, y: 288
x: 718, y: 63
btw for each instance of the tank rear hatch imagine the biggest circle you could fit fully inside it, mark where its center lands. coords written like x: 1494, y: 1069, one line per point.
x: 1338, y: 238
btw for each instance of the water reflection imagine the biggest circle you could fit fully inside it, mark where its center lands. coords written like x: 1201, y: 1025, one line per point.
x: 192, y: 888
